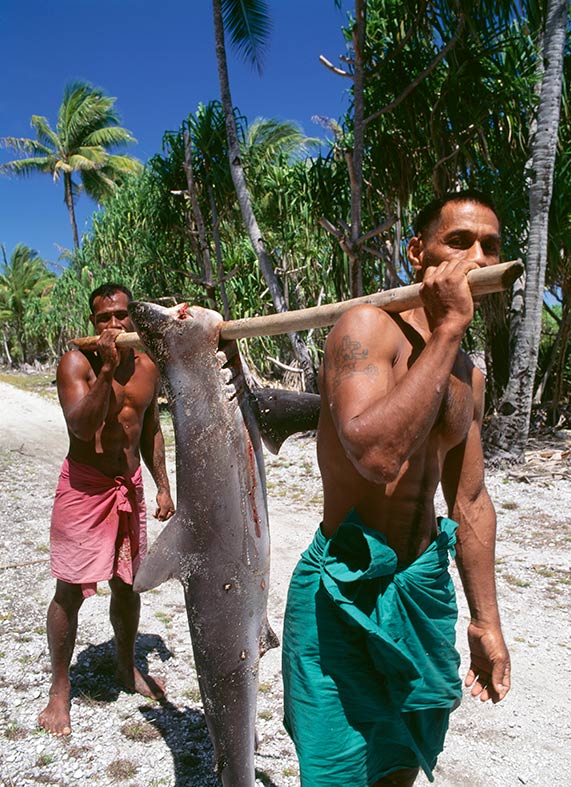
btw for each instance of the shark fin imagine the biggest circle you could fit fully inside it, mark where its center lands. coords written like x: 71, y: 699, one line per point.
x: 281, y: 413
x: 268, y: 638
x: 162, y: 562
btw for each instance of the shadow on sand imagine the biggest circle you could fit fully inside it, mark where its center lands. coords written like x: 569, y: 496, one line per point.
x: 186, y: 734
x: 184, y: 729
x: 93, y: 674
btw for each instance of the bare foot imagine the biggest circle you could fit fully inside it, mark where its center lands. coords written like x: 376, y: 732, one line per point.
x: 55, y: 716
x: 142, y: 684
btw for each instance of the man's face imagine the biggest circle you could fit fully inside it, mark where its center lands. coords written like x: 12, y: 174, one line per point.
x: 111, y: 312
x: 464, y: 231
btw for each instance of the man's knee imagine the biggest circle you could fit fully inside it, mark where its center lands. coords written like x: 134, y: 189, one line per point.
x: 67, y: 596
x: 403, y: 778
x: 123, y: 594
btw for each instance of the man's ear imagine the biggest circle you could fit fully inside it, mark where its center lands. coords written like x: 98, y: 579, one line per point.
x: 414, y: 253
x: 92, y: 319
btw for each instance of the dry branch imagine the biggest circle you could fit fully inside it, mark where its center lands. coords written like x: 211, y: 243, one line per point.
x: 25, y: 563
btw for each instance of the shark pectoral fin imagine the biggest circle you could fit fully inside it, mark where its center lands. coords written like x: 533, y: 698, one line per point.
x: 271, y: 444
x: 162, y: 562
x: 268, y: 638
x: 281, y: 413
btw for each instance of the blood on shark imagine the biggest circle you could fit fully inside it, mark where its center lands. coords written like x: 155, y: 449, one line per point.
x: 217, y: 544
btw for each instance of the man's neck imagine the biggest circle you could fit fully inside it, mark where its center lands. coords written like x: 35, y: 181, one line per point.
x: 126, y: 364
x: 417, y: 319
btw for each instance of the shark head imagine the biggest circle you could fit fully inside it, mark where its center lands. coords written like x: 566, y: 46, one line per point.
x: 177, y: 333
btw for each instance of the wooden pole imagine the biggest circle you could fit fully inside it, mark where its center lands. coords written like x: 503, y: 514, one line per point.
x: 482, y: 281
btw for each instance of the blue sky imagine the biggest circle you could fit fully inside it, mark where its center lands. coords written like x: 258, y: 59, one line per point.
x: 158, y: 59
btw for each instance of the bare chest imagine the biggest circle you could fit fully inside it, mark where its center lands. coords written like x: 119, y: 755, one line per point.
x: 131, y: 399
x: 456, y: 411
x: 132, y: 391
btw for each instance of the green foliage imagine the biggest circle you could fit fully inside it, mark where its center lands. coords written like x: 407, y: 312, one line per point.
x: 437, y: 125
x: 146, y: 235
x: 25, y: 286
x: 450, y: 101
x: 67, y: 315
x: 248, y: 24
x: 87, y: 130
x: 138, y: 239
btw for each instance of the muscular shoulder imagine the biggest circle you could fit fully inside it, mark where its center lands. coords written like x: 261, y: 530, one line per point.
x: 74, y: 363
x: 147, y: 365
x: 364, y: 344
x: 363, y: 330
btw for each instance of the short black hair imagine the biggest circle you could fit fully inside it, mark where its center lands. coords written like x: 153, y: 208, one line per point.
x: 107, y: 289
x: 431, y: 212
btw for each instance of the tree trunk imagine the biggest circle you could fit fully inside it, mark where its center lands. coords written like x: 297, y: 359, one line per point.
x: 494, y: 317
x: 508, y: 436
x: 244, y: 200
x: 553, y: 356
x: 356, y: 159
x: 563, y: 335
x: 71, y: 208
x: 218, y: 250
x: 9, y: 360
x: 206, y: 263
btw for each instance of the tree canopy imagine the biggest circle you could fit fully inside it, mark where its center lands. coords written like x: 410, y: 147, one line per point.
x: 445, y: 95
x: 86, y: 132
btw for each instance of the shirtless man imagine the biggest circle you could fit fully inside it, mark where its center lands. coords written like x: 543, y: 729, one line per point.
x: 98, y: 531
x: 370, y: 667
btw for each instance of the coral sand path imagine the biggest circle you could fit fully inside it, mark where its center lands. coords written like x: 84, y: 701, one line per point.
x: 119, y: 738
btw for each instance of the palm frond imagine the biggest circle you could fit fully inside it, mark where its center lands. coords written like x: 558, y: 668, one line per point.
x: 87, y: 158
x: 23, y: 145
x: 268, y: 139
x: 248, y: 24
x: 109, y: 136
x: 84, y: 110
x: 59, y: 167
x: 124, y: 164
x: 28, y: 166
x: 98, y: 184
x: 46, y: 135
x: 94, y: 113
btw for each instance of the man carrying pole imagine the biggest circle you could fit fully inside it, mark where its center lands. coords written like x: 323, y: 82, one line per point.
x: 98, y: 528
x: 369, y: 663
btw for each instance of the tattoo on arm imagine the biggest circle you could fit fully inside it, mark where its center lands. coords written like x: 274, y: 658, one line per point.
x: 345, y: 359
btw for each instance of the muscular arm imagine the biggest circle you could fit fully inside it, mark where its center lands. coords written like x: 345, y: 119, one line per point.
x: 382, y: 421
x: 84, y: 400
x: 469, y: 504
x: 153, y: 452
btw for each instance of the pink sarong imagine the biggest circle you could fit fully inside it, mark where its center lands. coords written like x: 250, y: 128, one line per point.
x: 98, y: 528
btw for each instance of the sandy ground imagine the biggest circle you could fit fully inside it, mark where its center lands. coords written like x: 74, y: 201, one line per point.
x: 121, y: 739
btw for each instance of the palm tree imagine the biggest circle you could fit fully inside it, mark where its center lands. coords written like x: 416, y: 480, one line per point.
x: 248, y: 25
x: 23, y: 278
x: 87, y: 129
x: 511, y: 429
x: 266, y: 140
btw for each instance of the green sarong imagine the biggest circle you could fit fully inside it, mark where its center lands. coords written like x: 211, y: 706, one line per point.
x: 369, y: 665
